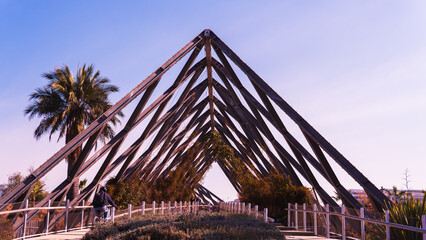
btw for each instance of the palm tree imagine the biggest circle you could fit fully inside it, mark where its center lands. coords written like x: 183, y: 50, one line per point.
x: 66, y: 105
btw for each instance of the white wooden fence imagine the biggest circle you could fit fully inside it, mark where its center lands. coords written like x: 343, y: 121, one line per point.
x: 242, y: 208
x: 181, y: 208
x: 327, y: 213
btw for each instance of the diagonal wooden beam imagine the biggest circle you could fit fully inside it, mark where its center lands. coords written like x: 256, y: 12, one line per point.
x: 96, y: 125
x: 304, y: 125
x: 207, y: 48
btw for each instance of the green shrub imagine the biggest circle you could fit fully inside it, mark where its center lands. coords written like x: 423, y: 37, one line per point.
x: 203, y: 226
x: 407, y: 212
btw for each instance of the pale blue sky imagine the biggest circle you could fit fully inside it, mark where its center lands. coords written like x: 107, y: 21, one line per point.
x: 356, y: 70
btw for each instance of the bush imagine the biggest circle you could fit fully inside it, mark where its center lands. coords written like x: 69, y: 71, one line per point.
x: 6, y: 226
x: 407, y: 212
x: 212, y: 226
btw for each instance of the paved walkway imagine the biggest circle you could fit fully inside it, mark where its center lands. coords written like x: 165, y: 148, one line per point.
x: 292, y: 234
x: 295, y: 236
x: 71, y: 235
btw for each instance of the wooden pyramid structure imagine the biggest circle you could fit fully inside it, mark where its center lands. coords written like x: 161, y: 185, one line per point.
x: 248, y: 121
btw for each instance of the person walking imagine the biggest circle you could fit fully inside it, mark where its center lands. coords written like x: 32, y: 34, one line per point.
x: 101, y: 199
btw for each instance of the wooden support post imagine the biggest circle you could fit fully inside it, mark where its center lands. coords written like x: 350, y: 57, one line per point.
x: 387, y: 227
x: 82, y: 215
x: 112, y: 214
x: 153, y: 207
x: 48, y: 217
x: 288, y: 215
x: 162, y: 207
x: 175, y: 208
x: 25, y: 220
x: 169, y: 211
x: 243, y: 207
x: 304, y: 217
x: 129, y: 211
x: 315, y: 220
x: 66, y: 215
x: 296, y: 220
x: 327, y: 221
x: 424, y: 226
x: 343, y: 223
x: 265, y: 215
x: 361, y: 213
x: 143, y: 207
x: 249, y: 208
x: 180, y: 207
x: 256, y: 211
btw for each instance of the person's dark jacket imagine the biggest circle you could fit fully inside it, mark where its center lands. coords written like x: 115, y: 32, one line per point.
x: 109, y: 200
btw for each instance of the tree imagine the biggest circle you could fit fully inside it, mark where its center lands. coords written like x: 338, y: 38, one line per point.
x: 67, y: 104
x: 12, y: 181
x: 37, y: 193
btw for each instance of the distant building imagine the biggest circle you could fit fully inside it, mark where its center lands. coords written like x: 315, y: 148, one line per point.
x: 360, y: 195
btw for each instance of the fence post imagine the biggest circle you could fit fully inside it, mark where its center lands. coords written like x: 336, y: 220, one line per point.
x: 153, y: 207
x: 387, y: 227
x: 175, y: 208
x: 361, y: 212
x: 243, y: 208
x: 112, y: 214
x: 304, y: 217
x: 296, y: 219
x: 249, y: 208
x: 143, y: 207
x: 66, y: 215
x: 343, y: 223
x: 256, y: 208
x: 47, y: 217
x: 130, y: 210
x: 25, y: 219
x: 327, y: 220
x: 170, y: 207
x: 288, y: 214
x: 162, y: 207
x: 265, y: 215
x: 315, y: 220
x: 424, y: 226
x: 82, y: 215
x: 180, y: 206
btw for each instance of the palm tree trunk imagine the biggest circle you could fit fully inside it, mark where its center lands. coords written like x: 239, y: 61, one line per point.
x: 72, y: 158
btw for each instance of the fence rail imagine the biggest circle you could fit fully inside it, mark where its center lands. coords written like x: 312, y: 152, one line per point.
x: 162, y: 208
x: 242, y: 208
x: 343, y: 216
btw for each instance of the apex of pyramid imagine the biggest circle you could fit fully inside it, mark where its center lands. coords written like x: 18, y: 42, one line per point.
x: 207, y: 32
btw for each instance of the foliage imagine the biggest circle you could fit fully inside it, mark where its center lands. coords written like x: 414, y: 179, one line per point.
x: 396, y: 194
x: 6, y: 226
x: 82, y: 184
x: 37, y: 193
x: 12, y: 181
x: 407, y: 212
x: 178, y: 184
x: 273, y: 192
x: 68, y: 104
x: 125, y: 193
x: 203, y: 226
